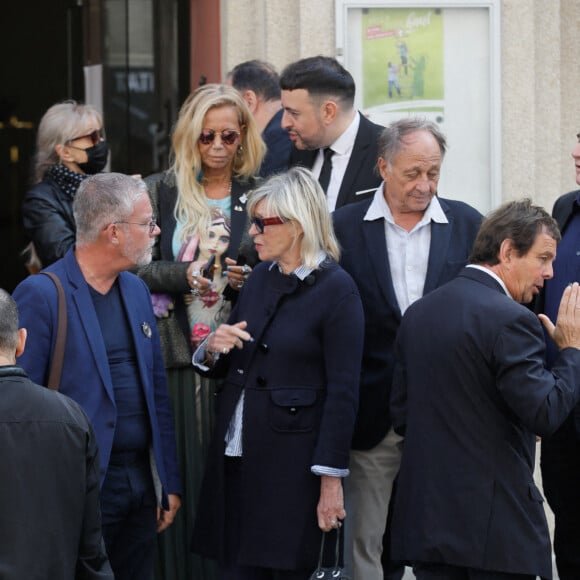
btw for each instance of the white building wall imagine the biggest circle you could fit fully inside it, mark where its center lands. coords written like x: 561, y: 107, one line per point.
x: 540, y: 76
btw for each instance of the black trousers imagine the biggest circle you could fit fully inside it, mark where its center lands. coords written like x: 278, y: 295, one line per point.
x: 560, y: 464
x: 129, y: 516
x: 445, y: 572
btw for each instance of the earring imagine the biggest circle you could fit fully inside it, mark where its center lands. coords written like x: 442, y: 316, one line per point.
x: 240, y: 151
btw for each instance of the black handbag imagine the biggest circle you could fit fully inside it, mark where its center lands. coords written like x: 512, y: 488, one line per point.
x: 333, y: 572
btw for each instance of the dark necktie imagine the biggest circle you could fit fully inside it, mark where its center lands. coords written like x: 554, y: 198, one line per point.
x: 324, y: 178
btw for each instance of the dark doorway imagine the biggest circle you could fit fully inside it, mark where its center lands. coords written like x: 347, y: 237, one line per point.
x: 143, y: 47
x: 41, y: 65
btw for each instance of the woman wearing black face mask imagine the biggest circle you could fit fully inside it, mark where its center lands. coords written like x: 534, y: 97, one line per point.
x: 70, y: 145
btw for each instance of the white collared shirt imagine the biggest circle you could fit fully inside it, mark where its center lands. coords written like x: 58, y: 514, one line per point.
x: 342, y: 148
x: 408, y: 252
x: 493, y: 275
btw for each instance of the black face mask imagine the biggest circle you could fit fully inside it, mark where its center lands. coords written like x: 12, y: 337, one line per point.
x: 97, y: 156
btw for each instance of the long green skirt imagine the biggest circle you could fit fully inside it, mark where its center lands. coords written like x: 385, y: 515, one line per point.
x: 193, y: 400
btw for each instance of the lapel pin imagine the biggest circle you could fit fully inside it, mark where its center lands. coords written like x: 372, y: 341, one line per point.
x: 238, y: 208
x: 146, y: 329
x: 243, y: 198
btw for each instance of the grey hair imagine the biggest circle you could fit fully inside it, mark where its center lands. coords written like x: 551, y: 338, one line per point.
x: 102, y: 199
x: 297, y: 196
x: 61, y: 123
x: 391, y: 139
x: 8, y: 324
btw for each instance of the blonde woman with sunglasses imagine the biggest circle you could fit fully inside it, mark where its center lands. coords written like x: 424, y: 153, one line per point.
x: 200, y: 262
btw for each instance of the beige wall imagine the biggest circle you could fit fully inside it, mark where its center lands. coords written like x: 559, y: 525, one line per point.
x: 540, y: 76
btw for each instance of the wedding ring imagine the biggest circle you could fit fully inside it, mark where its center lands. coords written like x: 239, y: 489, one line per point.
x: 195, y: 274
x: 240, y: 283
x: 245, y: 269
x: 195, y: 292
x: 225, y: 350
x: 195, y: 283
x: 333, y: 522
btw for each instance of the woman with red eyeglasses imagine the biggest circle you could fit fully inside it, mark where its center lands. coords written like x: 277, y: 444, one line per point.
x: 290, y: 357
x: 70, y: 145
x: 200, y: 204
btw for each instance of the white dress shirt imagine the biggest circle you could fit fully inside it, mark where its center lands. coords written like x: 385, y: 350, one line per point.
x: 408, y: 252
x: 342, y: 148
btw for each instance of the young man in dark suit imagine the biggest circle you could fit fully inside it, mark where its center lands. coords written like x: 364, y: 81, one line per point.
x: 332, y: 138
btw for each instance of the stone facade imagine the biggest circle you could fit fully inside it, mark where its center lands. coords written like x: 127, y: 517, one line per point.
x: 540, y: 76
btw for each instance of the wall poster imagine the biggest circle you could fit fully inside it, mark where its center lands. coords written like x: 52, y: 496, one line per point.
x: 434, y: 59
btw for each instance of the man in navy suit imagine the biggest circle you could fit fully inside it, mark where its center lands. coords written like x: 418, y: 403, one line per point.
x: 113, y: 365
x: 470, y: 394
x: 399, y: 245
x: 330, y: 136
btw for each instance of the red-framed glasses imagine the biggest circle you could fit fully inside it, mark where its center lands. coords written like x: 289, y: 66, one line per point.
x: 261, y: 222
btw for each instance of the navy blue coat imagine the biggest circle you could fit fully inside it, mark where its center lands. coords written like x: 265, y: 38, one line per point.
x: 470, y: 394
x: 300, y: 377
x: 365, y: 258
x: 85, y: 376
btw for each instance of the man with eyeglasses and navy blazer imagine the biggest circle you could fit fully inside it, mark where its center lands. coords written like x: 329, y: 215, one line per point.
x: 331, y: 138
x: 113, y: 364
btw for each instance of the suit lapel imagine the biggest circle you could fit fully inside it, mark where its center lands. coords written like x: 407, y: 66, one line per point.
x: 375, y: 240
x: 303, y: 157
x: 357, y: 157
x: 85, y: 313
x: 438, y: 250
x: 238, y: 216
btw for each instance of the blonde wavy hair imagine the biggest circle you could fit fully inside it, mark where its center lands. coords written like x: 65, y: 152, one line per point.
x: 191, y: 208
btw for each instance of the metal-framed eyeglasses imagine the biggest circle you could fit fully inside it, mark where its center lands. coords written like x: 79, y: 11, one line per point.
x: 151, y: 224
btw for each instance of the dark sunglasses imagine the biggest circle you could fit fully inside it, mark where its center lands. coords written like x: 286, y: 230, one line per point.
x: 94, y: 136
x: 228, y: 136
x: 261, y: 223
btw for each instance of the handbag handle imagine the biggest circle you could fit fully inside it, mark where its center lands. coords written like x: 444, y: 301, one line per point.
x: 336, y: 570
x: 58, y: 355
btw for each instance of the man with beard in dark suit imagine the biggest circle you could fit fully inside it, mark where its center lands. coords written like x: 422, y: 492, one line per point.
x: 330, y: 136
